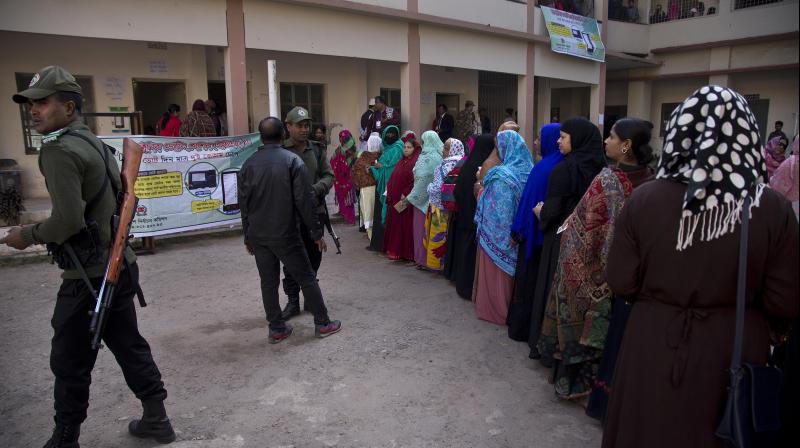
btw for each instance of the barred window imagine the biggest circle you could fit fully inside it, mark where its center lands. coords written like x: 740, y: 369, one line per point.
x: 741, y: 4
x: 309, y: 96
x: 670, y: 10
x: 581, y: 7
x: 392, y: 97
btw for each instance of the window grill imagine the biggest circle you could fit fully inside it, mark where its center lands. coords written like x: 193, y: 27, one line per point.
x: 741, y: 4
x: 670, y: 10
x: 581, y: 7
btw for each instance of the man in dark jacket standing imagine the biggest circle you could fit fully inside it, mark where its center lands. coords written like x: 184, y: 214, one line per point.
x: 320, y: 178
x: 274, y: 193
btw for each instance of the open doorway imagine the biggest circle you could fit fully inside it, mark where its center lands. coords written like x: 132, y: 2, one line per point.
x: 612, y: 114
x: 153, y: 98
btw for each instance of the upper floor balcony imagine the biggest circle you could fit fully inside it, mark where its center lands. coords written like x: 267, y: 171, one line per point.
x: 663, y: 25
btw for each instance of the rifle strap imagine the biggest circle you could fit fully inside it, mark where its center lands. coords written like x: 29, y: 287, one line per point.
x: 79, y: 268
x: 104, y: 154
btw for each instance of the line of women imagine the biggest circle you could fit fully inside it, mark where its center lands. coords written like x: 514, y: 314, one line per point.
x: 620, y: 278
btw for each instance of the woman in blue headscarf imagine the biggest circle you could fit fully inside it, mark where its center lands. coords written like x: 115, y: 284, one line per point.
x: 525, y: 231
x: 497, y: 254
x: 382, y: 172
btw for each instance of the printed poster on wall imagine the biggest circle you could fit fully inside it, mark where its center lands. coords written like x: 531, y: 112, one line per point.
x: 574, y: 35
x: 187, y: 183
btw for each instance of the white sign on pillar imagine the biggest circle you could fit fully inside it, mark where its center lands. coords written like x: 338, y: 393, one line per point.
x: 272, y: 87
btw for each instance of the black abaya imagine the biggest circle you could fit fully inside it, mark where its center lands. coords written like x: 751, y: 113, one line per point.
x: 376, y: 243
x: 521, y: 307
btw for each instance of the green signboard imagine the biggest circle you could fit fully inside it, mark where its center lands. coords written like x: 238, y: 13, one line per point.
x: 574, y: 35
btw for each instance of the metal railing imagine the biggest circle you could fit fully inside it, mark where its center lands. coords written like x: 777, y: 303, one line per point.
x: 581, y: 7
x: 741, y: 4
x: 670, y: 10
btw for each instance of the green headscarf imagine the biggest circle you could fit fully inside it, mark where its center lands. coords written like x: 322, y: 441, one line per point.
x: 392, y: 153
x: 431, y: 157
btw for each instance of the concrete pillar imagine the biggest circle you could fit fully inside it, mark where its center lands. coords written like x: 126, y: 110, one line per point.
x: 236, y: 70
x: 640, y: 99
x: 597, y: 104
x: 197, y: 85
x: 720, y: 59
x: 410, y: 93
x: 525, y: 106
x: 544, y: 92
x: 720, y: 80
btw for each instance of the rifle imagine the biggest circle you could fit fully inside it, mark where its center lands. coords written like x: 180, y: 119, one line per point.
x: 330, y: 229
x: 120, y: 226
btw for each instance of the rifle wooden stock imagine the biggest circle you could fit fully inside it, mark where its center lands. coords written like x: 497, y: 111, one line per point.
x: 131, y: 161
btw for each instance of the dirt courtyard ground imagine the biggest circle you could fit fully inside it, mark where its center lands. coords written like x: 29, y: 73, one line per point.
x: 412, y: 366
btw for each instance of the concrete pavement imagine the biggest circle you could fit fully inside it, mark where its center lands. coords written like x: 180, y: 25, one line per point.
x: 412, y: 366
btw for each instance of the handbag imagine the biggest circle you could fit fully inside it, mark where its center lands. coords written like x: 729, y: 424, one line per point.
x: 751, y: 416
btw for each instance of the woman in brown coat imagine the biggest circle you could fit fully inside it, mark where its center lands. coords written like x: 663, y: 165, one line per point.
x: 671, y: 378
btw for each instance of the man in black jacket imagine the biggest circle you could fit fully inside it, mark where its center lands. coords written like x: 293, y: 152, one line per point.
x: 444, y: 123
x: 274, y: 193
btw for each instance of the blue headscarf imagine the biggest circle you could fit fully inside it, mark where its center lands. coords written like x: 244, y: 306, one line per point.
x: 497, y: 206
x: 526, y: 225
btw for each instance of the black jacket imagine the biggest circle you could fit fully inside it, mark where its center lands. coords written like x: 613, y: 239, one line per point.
x: 444, y: 126
x: 274, y: 193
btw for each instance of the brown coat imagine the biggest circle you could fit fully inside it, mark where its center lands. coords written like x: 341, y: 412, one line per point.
x: 360, y: 174
x: 671, y: 377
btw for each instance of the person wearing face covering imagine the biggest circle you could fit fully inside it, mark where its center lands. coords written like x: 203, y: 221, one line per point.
x: 382, y: 172
x: 581, y: 145
x: 525, y: 231
x: 675, y: 257
x: 365, y: 182
x: 497, y: 205
x: 462, y: 245
x: 431, y: 157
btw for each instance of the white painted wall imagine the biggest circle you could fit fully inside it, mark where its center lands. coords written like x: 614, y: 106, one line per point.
x: 200, y: 22
x: 344, y: 80
x: 496, y: 13
x: 285, y: 27
x: 396, y: 4
x: 559, y: 66
x: 628, y: 37
x: 616, y: 93
x: 770, y: 53
x: 112, y: 64
x: 463, y: 49
x: 779, y: 87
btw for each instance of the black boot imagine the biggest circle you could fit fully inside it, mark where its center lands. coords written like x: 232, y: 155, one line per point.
x: 292, y: 308
x: 154, y: 423
x: 64, y: 436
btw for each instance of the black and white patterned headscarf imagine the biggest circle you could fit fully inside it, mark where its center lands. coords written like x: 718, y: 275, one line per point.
x: 713, y: 146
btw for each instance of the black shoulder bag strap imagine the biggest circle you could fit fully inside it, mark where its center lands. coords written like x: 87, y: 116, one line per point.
x: 103, y: 152
x: 741, y: 283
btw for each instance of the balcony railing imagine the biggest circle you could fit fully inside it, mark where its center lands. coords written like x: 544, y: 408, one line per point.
x: 670, y: 10
x: 741, y: 4
x: 581, y: 7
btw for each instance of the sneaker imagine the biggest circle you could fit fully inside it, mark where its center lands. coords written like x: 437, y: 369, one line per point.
x: 323, y: 331
x: 278, y: 336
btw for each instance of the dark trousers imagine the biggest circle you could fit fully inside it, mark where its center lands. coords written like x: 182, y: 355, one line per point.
x: 295, y: 261
x: 290, y: 286
x: 72, y: 359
